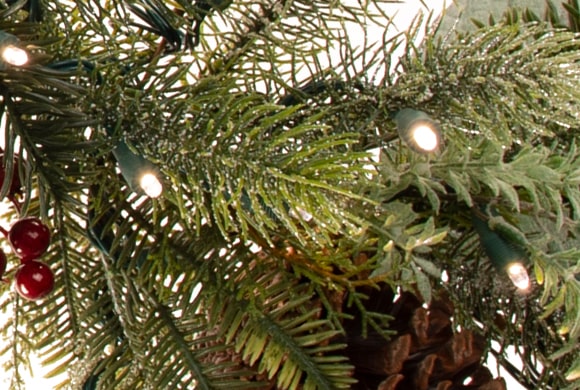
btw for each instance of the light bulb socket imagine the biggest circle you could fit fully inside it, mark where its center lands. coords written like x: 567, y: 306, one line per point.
x: 409, y: 121
x: 504, y: 255
x: 501, y: 253
x: 73, y: 64
x: 133, y: 167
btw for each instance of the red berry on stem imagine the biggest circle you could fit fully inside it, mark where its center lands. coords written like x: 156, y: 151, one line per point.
x: 29, y: 238
x: 34, y: 280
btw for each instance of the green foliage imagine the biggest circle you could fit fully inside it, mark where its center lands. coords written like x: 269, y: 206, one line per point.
x: 273, y: 206
x: 498, y: 150
x: 285, y: 336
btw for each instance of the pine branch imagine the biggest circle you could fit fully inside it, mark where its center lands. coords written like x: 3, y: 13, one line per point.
x: 277, y: 329
x: 520, y: 54
x: 248, y: 146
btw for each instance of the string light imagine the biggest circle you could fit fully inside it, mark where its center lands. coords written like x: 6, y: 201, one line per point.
x: 425, y: 138
x: 151, y: 185
x: 10, y: 52
x: 14, y: 55
x: 504, y: 255
x: 518, y: 275
x: 419, y: 131
x: 140, y: 173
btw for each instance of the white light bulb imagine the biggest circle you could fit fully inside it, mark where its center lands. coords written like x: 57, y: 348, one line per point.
x: 151, y: 185
x: 14, y: 55
x: 109, y: 349
x: 425, y: 138
x: 519, y: 276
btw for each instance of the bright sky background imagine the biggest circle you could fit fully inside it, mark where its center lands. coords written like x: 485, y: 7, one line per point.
x: 403, y: 15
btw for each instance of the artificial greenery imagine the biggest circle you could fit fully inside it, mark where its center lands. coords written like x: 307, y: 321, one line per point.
x: 276, y: 220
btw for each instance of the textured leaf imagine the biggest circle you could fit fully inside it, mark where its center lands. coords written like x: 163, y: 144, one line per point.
x: 555, y: 304
x: 428, y: 267
x: 423, y: 284
x: 573, y: 374
x: 462, y: 191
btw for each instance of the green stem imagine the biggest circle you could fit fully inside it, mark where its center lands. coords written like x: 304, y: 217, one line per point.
x: 202, y: 381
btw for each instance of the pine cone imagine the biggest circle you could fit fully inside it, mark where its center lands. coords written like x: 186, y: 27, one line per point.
x: 425, y: 353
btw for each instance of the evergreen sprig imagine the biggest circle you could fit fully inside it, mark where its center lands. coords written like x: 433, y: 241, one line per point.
x: 525, y: 163
x: 272, y: 203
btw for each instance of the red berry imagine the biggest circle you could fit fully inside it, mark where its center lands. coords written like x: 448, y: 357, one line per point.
x: 29, y: 238
x: 34, y: 280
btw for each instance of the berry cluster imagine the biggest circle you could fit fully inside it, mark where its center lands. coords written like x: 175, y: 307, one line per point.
x: 29, y: 239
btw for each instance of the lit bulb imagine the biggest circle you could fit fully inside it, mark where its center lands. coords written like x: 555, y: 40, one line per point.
x: 14, y: 55
x: 109, y: 349
x: 425, y: 138
x: 151, y: 185
x: 418, y: 130
x: 519, y: 276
